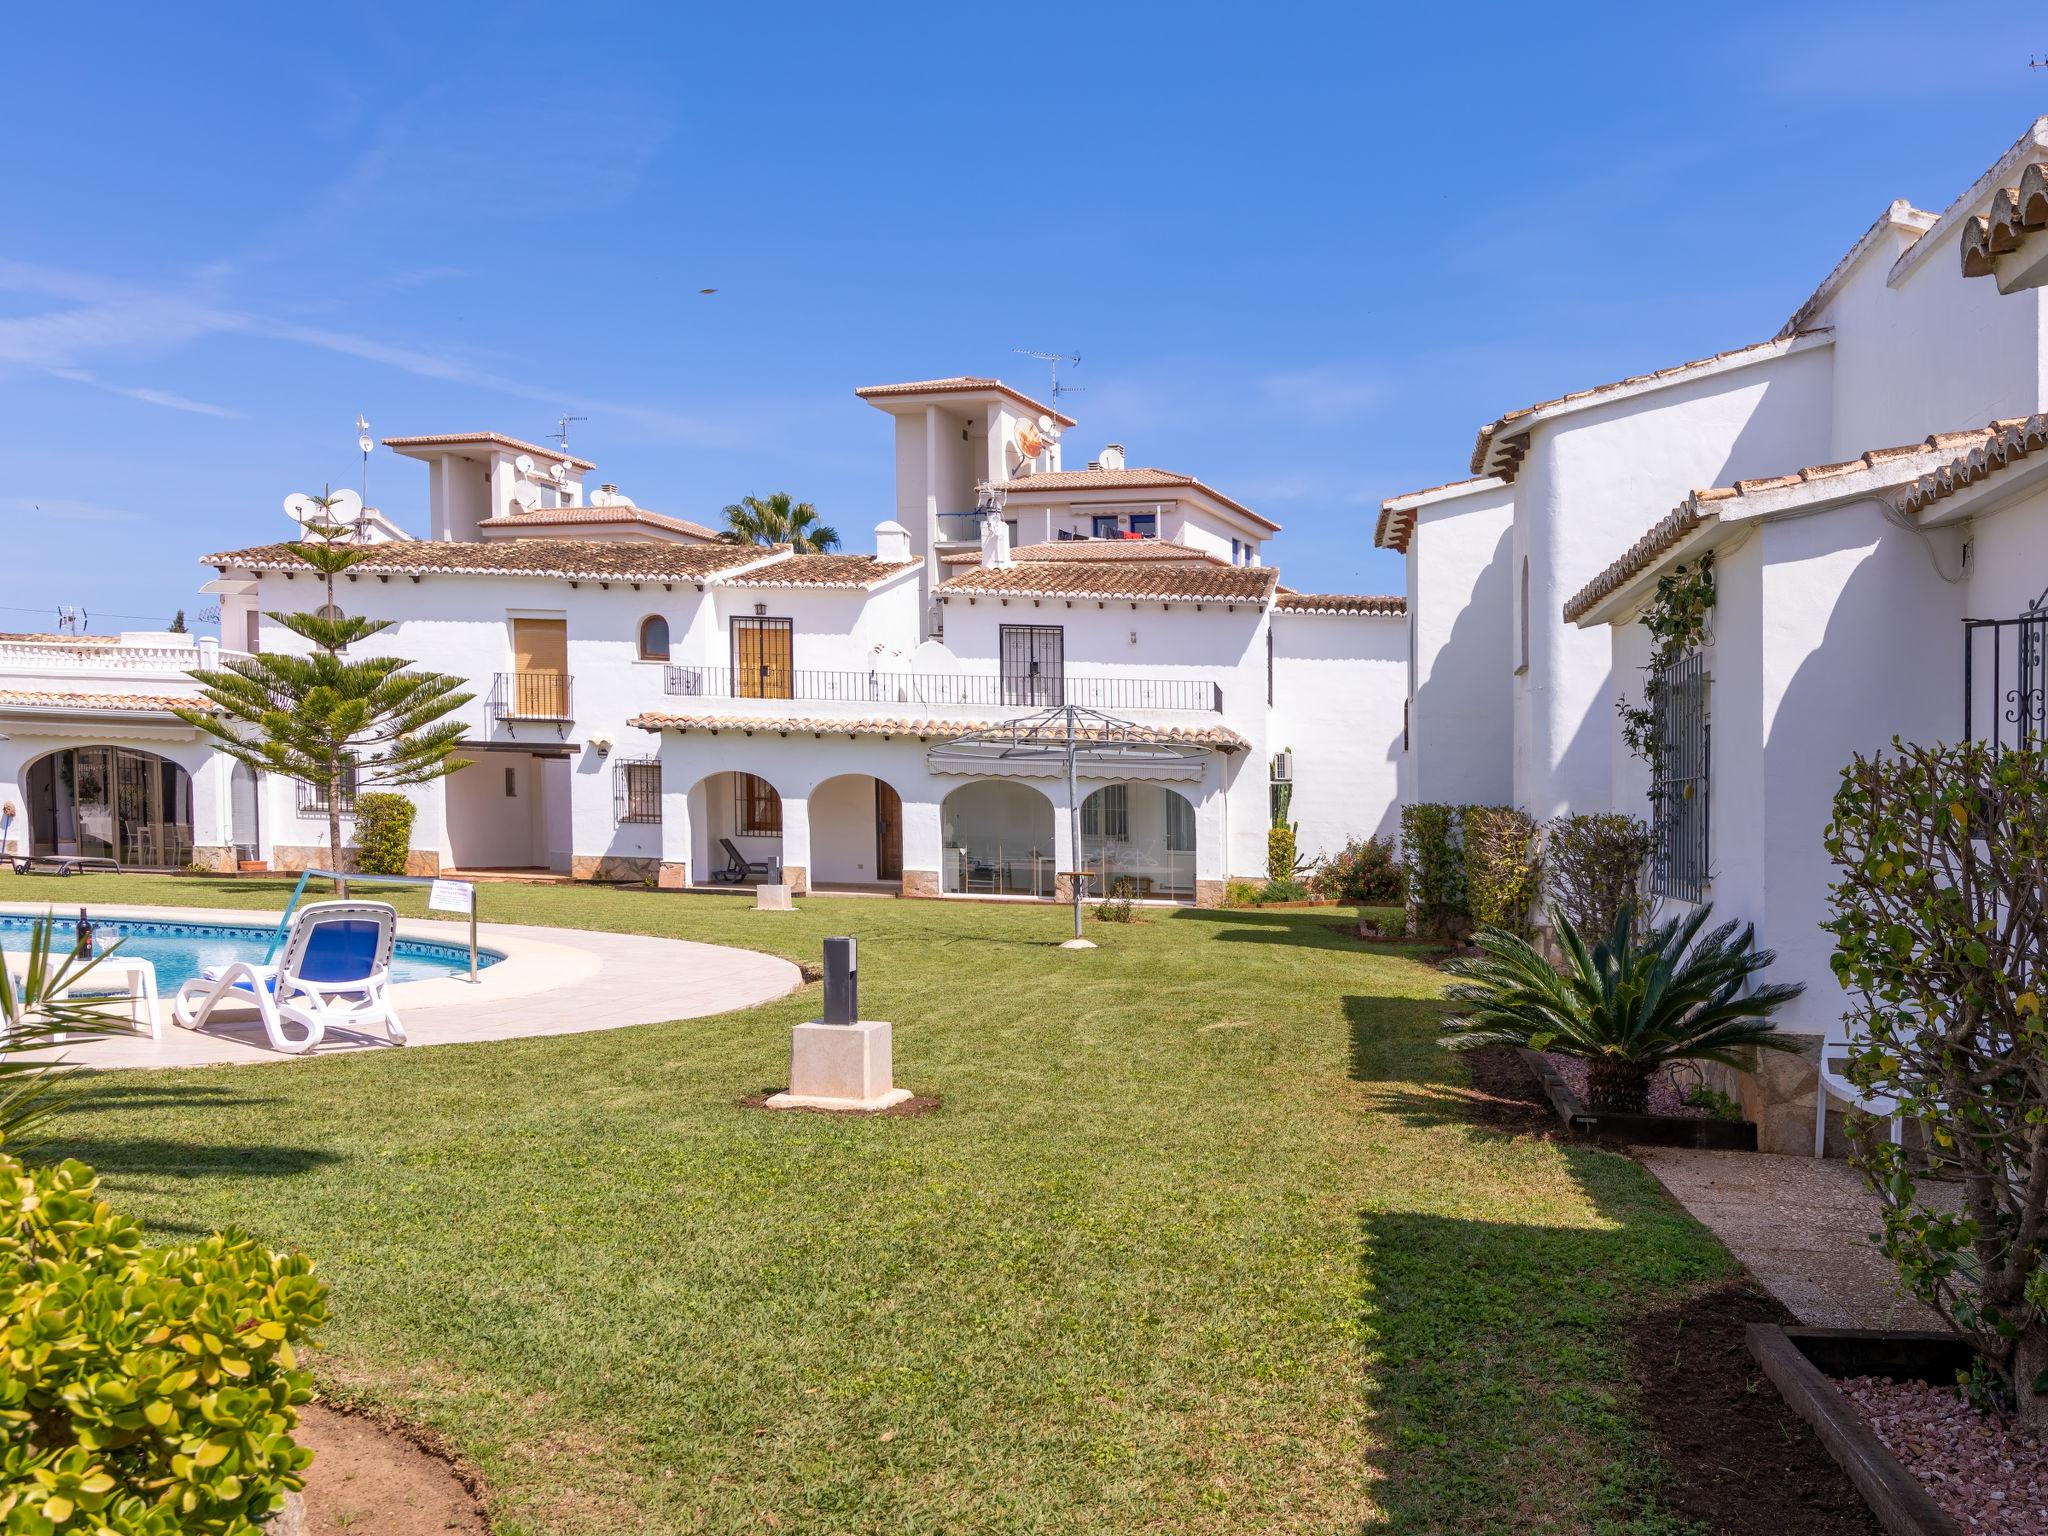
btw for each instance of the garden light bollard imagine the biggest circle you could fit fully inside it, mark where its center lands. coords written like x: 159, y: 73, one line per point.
x: 842, y: 983
x: 841, y: 1061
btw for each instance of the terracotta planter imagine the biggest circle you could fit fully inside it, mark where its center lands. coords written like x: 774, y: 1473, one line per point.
x: 252, y: 867
x: 1640, y: 1130
x: 1800, y: 1363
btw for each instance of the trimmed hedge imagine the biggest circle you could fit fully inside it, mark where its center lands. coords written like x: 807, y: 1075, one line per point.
x: 1363, y: 871
x: 1596, y: 864
x: 1467, y: 865
x: 383, y: 832
x: 1503, y: 867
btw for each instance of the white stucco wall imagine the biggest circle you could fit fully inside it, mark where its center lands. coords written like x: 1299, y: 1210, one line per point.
x: 1338, y: 681
x: 1461, y: 594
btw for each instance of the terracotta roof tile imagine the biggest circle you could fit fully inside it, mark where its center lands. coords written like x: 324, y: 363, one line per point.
x: 2016, y: 213
x: 1107, y: 549
x: 1396, y: 524
x: 2006, y: 443
x: 1675, y: 526
x: 869, y: 725
x: 1193, y: 581
x: 564, y: 559
x: 61, y: 639
x: 860, y: 571
x: 1333, y: 602
x: 960, y: 384
x: 1500, y: 449
x: 492, y: 439
x: 21, y: 698
x: 1026, y: 487
x: 577, y: 517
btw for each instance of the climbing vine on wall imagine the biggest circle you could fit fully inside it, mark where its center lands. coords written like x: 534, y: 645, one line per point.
x: 1677, y: 618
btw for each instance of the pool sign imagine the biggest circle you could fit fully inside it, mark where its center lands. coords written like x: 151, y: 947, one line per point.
x: 452, y: 896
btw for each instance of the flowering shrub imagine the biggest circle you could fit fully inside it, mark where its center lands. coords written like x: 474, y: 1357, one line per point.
x: 1363, y: 871
x: 145, y: 1391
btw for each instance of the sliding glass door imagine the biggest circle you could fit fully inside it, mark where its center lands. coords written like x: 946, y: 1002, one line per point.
x: 112, y: 803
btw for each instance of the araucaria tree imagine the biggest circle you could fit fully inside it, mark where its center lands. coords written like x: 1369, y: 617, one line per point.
x: 340, y: 724
x: 1941, y: 938
x: 778, y: 519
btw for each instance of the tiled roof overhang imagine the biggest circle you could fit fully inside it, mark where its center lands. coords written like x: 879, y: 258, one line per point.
x: 560, y: 559
x: 961, y: 384
x: 1144, y: 581
x: 2016, y: 212
x: 1025, y: 488
x: 126, y: 703
x: 1219, y: 737
x: 861, y: 572
x: 2006, y: 443
x: 579, y: 517
x: 1336, y: 602
x: 1396, y: 525
x: 486, y: 440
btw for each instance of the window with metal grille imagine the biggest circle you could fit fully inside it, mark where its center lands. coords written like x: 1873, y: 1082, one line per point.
x: 1034, y: 664
x: 756, y: 808
x: 636, y: 791
x: 1679, y: 798
x: 313, y: 797
x: 1107, y: 813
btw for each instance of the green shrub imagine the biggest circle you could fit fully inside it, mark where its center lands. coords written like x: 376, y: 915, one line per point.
x: 147, y: 1391
x: 1594, y: 865
x: 1503, y: 868
x: 1363, y: 871
x: 383, y: 832
x: 1241, y: 893
x: 1433, y: 854
x: 1116, y: 906
x: 1288, y: 889
x: 1280, y: 853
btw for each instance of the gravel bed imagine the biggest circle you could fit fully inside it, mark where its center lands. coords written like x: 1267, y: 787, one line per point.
x: 1665, y: 1095
x: 1990, y: 1478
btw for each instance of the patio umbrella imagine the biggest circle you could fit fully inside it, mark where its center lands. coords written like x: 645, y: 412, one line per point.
x: 1068, y: 737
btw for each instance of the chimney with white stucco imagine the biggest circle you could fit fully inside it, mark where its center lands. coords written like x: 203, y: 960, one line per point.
x: 892, y: 543
x: 995, y: 544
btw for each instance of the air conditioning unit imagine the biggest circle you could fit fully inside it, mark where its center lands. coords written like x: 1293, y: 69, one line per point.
x: 1283, y: 767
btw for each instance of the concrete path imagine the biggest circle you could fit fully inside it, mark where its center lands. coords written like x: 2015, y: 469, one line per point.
x: 1800, y: 1226
x: 552, y: 981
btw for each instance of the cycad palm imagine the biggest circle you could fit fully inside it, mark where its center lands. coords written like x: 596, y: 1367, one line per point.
x: 1625, y: 1008
x: 778, y: 520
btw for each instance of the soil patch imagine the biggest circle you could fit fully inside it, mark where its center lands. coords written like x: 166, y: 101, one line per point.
x: 908, y: 1109
x: 371, y: 1476
x: 1741, y: 1460
x: 1665, y: 1095
x: 1504, y: 1096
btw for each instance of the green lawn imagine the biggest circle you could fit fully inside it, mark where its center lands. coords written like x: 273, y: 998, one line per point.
x: 1201, y: 1240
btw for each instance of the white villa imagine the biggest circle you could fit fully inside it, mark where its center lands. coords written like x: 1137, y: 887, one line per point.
x: 1868, y: 479
x: 653, y: 704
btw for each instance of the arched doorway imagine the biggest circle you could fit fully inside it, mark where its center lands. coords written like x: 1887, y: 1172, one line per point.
x: 998, y: 840
x: 1143, y: 833
x: 111, y: 803
x: 856, y: 831
x: 735, y: 825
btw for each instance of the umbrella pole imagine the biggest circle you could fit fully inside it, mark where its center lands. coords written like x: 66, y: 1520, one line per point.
x: 1073, y: 823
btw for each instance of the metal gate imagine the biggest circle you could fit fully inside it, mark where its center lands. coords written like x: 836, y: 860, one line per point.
x: 1679, y: 795
x: 2004, y: 661
x: 1034, y: 665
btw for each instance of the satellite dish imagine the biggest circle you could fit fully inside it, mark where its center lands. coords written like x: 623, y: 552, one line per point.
x: 528, y: 496
x: 1045, y: 425
x: 524, y: 464
x: 1030, y: 441
x: 301, y: 508
x: 364, y: 443
x: 559, y: 471
x: 344, y: 508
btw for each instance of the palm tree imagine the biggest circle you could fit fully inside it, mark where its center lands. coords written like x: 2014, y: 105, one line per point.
x: 778, y: 520
x: 1625, y: 1008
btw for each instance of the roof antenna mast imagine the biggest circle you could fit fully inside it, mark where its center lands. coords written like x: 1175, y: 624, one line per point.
x: 1053, y: 360
x: 364, y: 442
x: 561, y: 432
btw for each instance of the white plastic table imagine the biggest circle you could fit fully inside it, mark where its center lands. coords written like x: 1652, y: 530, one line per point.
x: 137, y: 978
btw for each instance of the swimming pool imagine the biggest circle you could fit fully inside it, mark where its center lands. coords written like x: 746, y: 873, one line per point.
x: 180, y: 951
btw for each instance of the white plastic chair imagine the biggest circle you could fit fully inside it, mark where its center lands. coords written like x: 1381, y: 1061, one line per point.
x: 335, y: 972
x: 1835, y: 1084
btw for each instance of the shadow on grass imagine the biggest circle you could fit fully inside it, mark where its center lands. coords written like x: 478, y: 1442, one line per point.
x: 115, y: 1155
x: 1303, y: 928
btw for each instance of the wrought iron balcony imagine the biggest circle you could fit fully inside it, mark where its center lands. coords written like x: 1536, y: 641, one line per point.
x: 540, y: 697
x: 945, y: 689
x: 2005, y: 680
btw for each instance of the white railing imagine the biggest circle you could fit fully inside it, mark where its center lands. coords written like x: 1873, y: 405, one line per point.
x: 35, y: 656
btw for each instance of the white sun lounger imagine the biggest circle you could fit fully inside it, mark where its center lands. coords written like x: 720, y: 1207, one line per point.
x: 335, y: 971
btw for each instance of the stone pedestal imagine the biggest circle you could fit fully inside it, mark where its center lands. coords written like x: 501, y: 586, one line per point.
x: 674, y: 876
x: 772, y: 898
x: 920, y: 882
x: 840, y: 1066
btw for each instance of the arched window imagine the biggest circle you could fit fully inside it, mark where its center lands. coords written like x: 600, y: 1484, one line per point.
x: 654, y: 638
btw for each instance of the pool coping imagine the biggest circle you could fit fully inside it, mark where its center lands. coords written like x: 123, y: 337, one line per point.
x: 550, y: 981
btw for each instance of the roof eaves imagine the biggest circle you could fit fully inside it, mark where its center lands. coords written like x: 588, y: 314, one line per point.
x: 1900, y: 215
x: 2031, y: 145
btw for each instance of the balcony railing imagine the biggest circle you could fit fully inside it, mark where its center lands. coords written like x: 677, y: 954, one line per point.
x: 942, y: 689
x: 2005, y: 681
x: 541, y: 696
x: 960, y: 527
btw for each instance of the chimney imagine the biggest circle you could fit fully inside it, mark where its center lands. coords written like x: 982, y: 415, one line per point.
x: 1112, y: 457
x: 995, y: 544
x: 892, y: 543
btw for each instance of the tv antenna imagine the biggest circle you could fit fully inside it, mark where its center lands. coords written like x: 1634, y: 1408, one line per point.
x: 1053, y: 360
x: 561, y: 433
x: 72, y: 621
x: 364, y: 442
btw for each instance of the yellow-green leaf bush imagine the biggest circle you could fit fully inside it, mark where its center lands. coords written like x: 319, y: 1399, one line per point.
x: 383, y: 832
x: 145, y: 1391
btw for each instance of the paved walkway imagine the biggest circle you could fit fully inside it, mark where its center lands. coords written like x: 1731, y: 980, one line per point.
x: 1801, y: 1226
x: 552, y: 981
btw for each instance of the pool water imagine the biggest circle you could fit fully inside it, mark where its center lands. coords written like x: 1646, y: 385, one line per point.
x: 180, y: 951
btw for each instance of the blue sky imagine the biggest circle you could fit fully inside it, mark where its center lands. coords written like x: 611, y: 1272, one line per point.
x: 1304, y: 251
